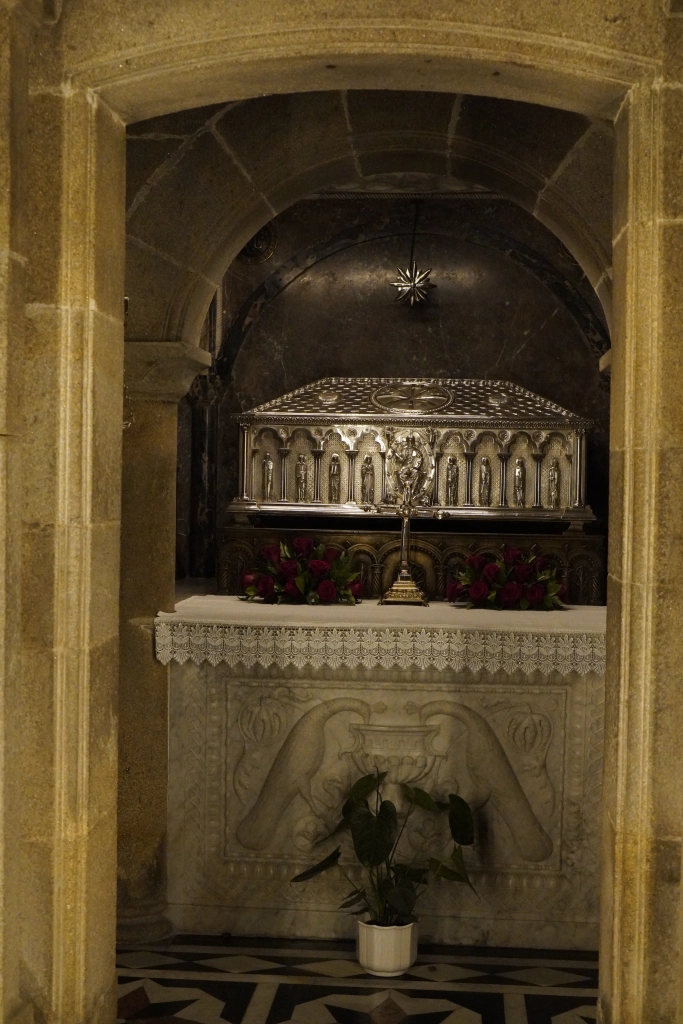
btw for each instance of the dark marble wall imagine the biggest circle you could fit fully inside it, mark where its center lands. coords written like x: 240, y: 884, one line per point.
x: 510, y: 304
x: 183, y: 493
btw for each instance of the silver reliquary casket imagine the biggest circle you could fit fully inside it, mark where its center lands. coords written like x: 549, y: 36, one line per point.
x: 455, y: 448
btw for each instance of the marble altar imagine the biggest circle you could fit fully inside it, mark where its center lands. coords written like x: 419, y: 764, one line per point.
x: 274, y: 709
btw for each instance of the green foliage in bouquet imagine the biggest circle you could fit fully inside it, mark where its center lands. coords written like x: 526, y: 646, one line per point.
x: 303, y: 572
x: 510, y: 580
x: 392, y: 887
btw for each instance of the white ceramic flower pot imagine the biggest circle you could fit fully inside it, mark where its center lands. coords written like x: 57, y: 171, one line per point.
x: 386, y: 951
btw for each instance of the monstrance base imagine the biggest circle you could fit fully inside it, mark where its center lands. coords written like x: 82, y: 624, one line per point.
x: 404, y: 590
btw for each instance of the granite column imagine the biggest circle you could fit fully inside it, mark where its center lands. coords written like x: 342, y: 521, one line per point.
x: 641, y: 963
x: 157, y: 376
x: 71, y: 453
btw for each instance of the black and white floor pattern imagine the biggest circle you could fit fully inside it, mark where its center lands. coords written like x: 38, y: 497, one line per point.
x: 210, y: 980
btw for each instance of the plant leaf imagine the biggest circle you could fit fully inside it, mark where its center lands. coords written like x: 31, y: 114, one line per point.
x: 366, y: 785
x: 417, y: 796
x: 329, y: 862
x: 458, y: 860
x: 341, y: 826
x: 354, y: 892
x: 406, y: 872
x: 373, y: 835
x: 349, y: 805
x: 441, y: 870
x: 401, y: 898
x: 353, y: 899
x: 301, y: 583
x: 460, y: 820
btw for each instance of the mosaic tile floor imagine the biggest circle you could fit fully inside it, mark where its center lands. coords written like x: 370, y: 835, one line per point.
x: 211, y: 980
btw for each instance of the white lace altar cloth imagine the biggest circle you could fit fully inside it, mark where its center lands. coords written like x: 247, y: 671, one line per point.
x: 226, y: 630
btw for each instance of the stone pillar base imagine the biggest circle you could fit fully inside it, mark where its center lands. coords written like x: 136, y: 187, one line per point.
x: 140, y: 926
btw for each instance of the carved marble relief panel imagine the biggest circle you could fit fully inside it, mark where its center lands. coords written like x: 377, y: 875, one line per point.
x: 259, y: 766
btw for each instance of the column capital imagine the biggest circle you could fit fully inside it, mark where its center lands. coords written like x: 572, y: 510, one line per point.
x: 162, y: 371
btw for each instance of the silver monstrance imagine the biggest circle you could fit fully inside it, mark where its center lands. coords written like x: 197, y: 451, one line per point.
x: 411, y: 471
x: 404, y: 589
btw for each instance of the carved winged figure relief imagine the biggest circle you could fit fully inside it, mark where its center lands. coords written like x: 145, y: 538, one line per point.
x: 301, y: 756
x: 295, y: 764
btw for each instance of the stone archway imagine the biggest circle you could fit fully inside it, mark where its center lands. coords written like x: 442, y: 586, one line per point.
x: 220, y: 174
x: 258, y: 157
x: 184, y: 318
x: 572, y: 57
x: 145, y: 66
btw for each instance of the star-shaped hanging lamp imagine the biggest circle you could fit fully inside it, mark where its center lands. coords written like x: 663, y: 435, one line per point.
x: 413, y: 284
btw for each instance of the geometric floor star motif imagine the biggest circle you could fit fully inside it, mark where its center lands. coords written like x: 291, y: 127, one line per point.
x: 135, y: 998
x: 334, y: 968
x: 221, y: 980
x: 547, y: 977
x: 387, y: 1012
x: 444, y: 972
x: 384, y: 1007
x: 581, y: 1015
x: 239, y: 964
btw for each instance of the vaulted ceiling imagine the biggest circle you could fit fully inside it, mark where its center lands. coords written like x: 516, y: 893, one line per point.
x: 201, y: 182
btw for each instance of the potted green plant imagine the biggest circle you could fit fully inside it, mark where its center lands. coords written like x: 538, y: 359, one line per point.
x: 387, y: 942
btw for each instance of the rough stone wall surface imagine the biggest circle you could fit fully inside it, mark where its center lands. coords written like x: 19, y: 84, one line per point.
x: 14, y: 48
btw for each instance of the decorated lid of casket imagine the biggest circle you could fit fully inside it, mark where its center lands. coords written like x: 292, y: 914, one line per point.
x: 463, y: 448
x: 442, y: 401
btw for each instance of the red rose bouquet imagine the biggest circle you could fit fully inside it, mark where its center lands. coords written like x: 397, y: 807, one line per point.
x: 510, y: 580
x: 303, y: 572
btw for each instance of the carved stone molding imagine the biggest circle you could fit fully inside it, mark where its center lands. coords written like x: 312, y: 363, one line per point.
x: 162, y: 371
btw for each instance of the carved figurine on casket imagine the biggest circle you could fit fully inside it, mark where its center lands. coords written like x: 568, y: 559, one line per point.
x: 468, y: 449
